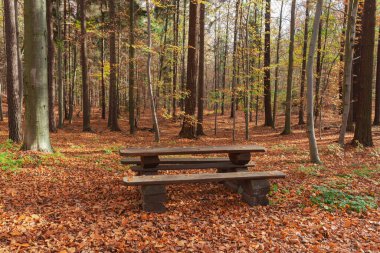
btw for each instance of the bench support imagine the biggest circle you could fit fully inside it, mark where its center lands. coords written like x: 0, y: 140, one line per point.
x: 153, y: 198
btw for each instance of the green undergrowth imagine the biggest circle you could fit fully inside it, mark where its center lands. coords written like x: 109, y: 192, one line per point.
x: 332, y: 199
x: 13, y: 160
x: 313, y: 170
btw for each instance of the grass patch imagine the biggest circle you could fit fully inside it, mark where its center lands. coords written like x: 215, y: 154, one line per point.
x: 366, y: 172
x: 9, y: 162
x: 314, y: 170
x: 331, y: 199
x: 285, y: 148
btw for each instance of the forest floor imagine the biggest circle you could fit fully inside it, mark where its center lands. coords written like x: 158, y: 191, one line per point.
x: 74, y: 200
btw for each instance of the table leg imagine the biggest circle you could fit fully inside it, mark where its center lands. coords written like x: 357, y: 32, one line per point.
x: 153, y: 197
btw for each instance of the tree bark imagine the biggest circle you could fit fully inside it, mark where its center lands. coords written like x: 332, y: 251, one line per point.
x: 201, y: 78
x: 288, y: 111
x: 85, y: 88
x: 175, y: 56
x: 36, y: 84
x: 314, y: 156
x: 113, y: 104
x: 363, y: 132
x: 131, y: 89
x: 277, y: 65
x: 301, y: 120
x: 225, y: 59
x: 376, y: 120
x: 188, y: 126
x: 51, y: 62
x: 13, y: 81
x: 59, y: 41
x: 347, y: 79
x: 103, y: 84
x: 267, y: 80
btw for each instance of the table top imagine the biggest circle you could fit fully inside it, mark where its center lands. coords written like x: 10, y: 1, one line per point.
x: 191, y: 150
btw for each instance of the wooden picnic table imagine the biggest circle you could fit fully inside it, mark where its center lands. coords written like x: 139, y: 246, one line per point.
x: 232, y: 171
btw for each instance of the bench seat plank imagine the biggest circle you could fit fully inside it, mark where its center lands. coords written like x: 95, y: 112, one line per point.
x: 200, y: 166
x: 200, y: 178
x: 191, y: 150
x: 178, y: 160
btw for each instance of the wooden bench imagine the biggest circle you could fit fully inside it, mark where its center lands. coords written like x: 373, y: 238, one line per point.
x: 232, y: 171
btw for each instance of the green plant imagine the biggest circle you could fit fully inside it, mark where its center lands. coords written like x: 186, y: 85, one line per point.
x: 331, y: 199
x: 314, y: 170
x: 335, y: 149
x: 366, y: 172
x: 9, y: 162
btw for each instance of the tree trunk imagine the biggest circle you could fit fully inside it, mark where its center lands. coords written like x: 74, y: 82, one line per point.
x: 153, y: 107
x: 13, y: 81
x: 183, y: 55
x: 188, y: 126
x: 234, y: 72
x: 61, y: 109
x: 201, y: 77
x: 225, y: 59
x: 277, y: 65
x: 36, y: 84
x: 267, y: 80
x: 131, y: 89
x: 347, y: 79
x: 86, y: 92
x: 301, y: 120
x: 377, y: 98
x: 113, y: 112
x: 363, y: 133
x: 318, y: 70
x: 175, y: 56
x: 288, y: 111
x: 19, y: 60
x: 342, y: 58
x: 102, y: 55
x: 51, y: 86
x: 314, y: 156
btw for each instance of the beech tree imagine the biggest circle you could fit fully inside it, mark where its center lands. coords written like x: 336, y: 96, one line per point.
x: 363, y: 131
x: 267, y: 80
x: 13, y: 80
x: 35, y: 72
x: 51, y: 62
x: 376, y: 120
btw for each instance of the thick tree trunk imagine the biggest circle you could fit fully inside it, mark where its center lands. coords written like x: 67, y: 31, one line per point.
x: 131, y: 89
x: 301, y: 113
x: 376, y: 120
x: 288, y: 111
x: 51, y: 50
x: 188, y: 126
x: 363, y: 132
x: 86, y: 91
x: 113, y: 104
x: 314, y: 156
x: 267, y: 80
x: 201, y: 78
x: 13, y: 81
x: 277, y: 65
x: 36, y: 83
x: 347, y: 79
x: 153, y: 107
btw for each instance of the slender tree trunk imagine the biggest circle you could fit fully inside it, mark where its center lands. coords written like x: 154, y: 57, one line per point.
x: 349, y: 44
x: 267, y: 80
x: 288, y: 111
x: 225, y: 60
x: 113, y: 104
x: 183, y: 55
x: 51, y: 50
x: 153, y: 108
x: 277, y: 66
x: 86, y: 91
x: 175, y: 64
x: 59, y: 68
x: 201, y: 77
x: 301, y: 120
x: 318, y: 70
x: 36, y: 83
x: 234, y: 72
x: 131, y: 89
x: 103, y: 87
x: 13, y: 81
x: 363, y: 132
x: 188, y: 126
x: 376, y: 120
x: 72, y: 85
x: 247, y: 74
x: 314, y: 156
x: 342, y: 58
x: 19, y: 59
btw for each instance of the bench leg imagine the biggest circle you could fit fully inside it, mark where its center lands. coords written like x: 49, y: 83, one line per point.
x: 153, y: 198
x: 254, y: 192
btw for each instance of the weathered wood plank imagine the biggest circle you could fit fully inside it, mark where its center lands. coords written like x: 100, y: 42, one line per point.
x: 178, y: 160
x: 191, y: 150
x: 199, y: 166
x: 200, y: 178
